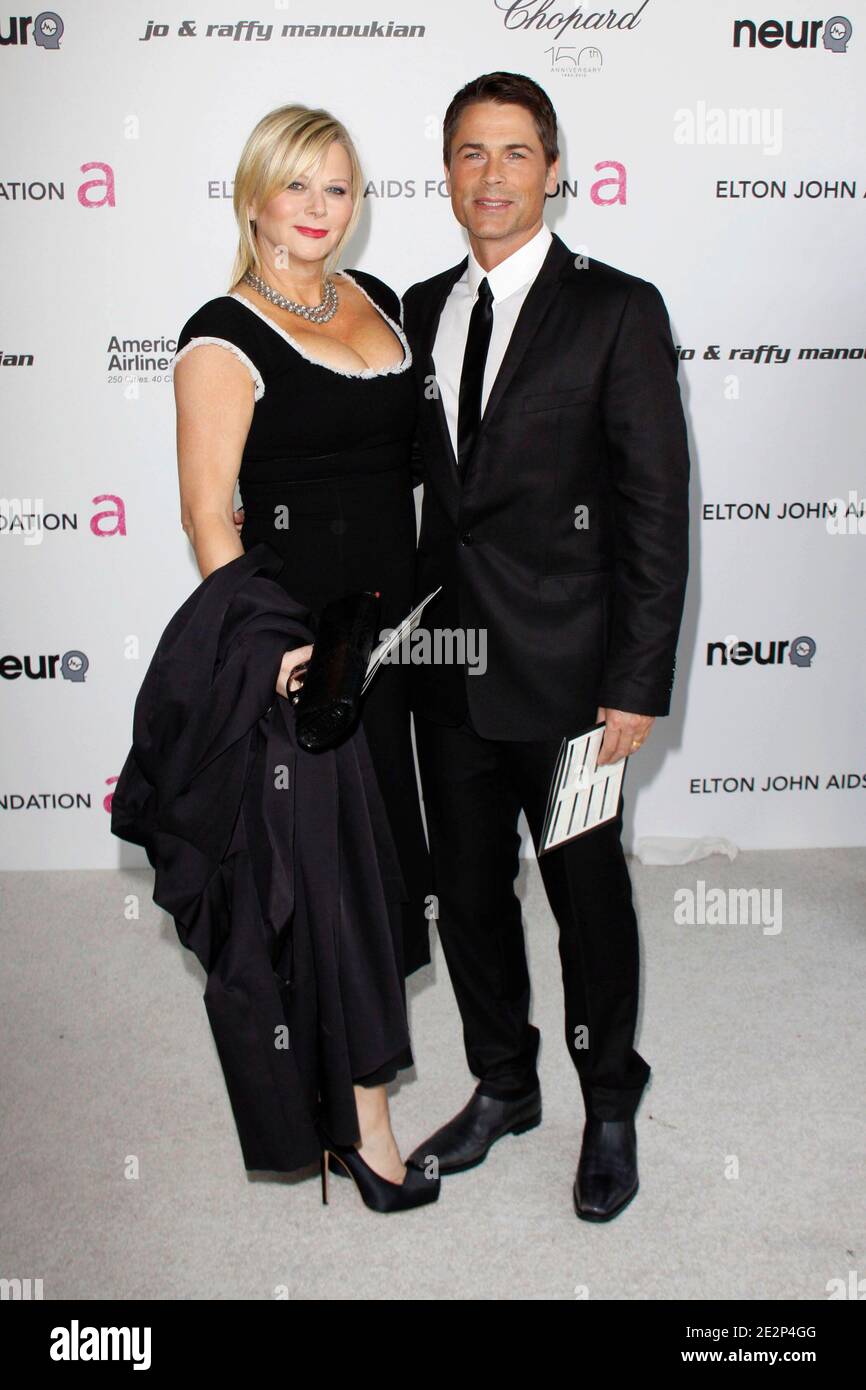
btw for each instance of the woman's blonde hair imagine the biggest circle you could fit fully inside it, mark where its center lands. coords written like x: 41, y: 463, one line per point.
x: 287, y: 144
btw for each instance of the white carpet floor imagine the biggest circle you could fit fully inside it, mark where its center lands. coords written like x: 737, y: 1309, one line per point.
x: 750, y: 1134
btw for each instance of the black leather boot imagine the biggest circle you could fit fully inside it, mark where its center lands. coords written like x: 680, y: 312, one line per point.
x: 466, y: 1139
x: 606, y: 1178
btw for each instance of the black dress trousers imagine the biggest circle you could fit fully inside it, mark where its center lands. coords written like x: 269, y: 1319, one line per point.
x: 474, y: 789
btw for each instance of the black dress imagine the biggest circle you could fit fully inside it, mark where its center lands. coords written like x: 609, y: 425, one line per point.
x: 325, y: 480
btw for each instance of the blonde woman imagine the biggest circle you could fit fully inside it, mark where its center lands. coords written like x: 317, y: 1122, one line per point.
x: 296, y: 384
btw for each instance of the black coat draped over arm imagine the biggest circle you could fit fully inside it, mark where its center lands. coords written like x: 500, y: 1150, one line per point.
x: 277, y: 865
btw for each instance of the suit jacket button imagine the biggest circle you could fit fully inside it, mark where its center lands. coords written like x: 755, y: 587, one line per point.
x: 466, y: 538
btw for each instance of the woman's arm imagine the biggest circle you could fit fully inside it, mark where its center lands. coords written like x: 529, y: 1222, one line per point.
x: 214, y: 395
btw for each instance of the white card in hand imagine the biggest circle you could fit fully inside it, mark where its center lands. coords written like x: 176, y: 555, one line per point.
x: 407, y: 626
x: 582, y: 795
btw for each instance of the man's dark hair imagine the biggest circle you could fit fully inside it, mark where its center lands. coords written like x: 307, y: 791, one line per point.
x: 505, y: 87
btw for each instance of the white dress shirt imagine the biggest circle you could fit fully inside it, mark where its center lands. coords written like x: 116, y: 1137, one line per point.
x: 509, y: 283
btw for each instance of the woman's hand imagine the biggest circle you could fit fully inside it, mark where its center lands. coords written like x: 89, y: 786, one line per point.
x: 298, y: 657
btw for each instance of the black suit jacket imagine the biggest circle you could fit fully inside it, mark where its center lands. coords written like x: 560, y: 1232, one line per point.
x: 578, y: 607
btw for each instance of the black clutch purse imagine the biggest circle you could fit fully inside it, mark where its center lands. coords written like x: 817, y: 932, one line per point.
x: 329, y: 700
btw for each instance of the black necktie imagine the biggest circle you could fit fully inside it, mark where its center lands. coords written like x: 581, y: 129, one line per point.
x: 472, y: 373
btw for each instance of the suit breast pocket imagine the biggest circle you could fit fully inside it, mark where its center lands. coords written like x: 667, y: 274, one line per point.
x: 559, y: 400
x: 574, y: 587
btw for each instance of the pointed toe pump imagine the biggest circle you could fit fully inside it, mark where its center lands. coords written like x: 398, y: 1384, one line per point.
x: 378, y: 1193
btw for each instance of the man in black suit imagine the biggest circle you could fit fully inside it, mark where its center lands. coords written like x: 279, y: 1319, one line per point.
x: 553, y: 451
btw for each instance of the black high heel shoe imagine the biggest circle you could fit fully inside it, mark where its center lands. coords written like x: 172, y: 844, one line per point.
x: 378, y: 1193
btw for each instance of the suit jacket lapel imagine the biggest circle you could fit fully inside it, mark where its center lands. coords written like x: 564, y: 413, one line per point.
x: 439, y: 295
x: 535, y: 306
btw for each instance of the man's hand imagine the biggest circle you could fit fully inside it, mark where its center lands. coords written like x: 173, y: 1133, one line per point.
x: 238, y: 518
x: 624, y: 733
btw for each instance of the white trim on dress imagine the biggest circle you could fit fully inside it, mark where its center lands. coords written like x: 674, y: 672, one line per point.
x: 365, y: 372
x: 232, y: 347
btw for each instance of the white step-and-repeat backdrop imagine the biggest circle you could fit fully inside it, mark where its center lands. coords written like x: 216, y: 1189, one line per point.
x: 716, y: 149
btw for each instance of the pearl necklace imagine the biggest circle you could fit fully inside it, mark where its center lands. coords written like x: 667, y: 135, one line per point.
x: 318, y: 313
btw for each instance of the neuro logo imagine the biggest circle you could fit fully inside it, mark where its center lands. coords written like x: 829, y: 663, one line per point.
x: 802, y: 651
x: 837, y: 32
x: 73, y: 666
x: 43, y: 666
x: 733, y: 651
x: 794, y: 33
x: 47, y: 29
